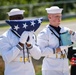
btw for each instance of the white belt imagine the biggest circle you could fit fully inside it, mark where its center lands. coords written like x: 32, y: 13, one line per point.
x: 21, y: 59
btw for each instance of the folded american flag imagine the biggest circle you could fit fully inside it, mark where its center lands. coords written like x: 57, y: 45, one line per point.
x: 19, y: 26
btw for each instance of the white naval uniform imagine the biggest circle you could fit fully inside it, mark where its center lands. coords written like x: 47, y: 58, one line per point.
x: 48, y: 42
x: 13, y: 57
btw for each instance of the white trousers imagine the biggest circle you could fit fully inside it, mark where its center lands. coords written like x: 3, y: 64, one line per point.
x: 53, y: 72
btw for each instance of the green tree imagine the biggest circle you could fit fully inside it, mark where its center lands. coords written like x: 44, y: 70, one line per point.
x: 34, y: 7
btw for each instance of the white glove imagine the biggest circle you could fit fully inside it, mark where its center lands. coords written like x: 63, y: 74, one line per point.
x: 64, y: 48
x: 24, y: 37
x: 31, y: 38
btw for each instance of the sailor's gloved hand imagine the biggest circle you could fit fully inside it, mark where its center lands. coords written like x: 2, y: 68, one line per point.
x: 27, y: 38
x: 64, y: 48
x: 31, y: 38
x: 24, y: 37
x: 23, y: 40
x: 61, y: 49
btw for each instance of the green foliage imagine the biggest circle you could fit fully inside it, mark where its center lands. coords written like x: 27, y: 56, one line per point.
x: 34, y: 8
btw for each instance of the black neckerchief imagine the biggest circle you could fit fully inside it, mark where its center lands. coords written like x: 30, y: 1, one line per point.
x: 57, y: 29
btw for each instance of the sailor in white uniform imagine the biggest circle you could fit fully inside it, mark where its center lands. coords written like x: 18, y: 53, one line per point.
x: 55, y: 60
x: 11, y: 48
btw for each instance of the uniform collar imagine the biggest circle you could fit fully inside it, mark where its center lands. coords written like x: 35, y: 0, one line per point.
x: 57, y: 29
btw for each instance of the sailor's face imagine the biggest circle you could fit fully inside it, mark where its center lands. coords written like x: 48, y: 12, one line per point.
x: 55, y: 19
x: 16, y: 17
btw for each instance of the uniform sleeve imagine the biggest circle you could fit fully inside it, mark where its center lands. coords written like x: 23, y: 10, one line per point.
x: 8, y: 52
x: 43, y: 42
x: 35, y: 52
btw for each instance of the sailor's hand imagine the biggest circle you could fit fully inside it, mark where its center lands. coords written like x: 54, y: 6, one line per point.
x: 58, y: 50
x: 71, y: 32
x: 31, y: 38
x: 24, y: 37
x: 64, y: 48
x: 61, y: 48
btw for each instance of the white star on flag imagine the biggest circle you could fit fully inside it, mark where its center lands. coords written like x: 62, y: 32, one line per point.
x: 16, y: 27
x: 39, y: 21
x: 19, y: 26
x: 25, y: 25
x: 32, y: 23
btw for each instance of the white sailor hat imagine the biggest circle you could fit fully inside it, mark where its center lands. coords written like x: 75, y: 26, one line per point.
x: 15, y: 11
x: 54, y: 10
